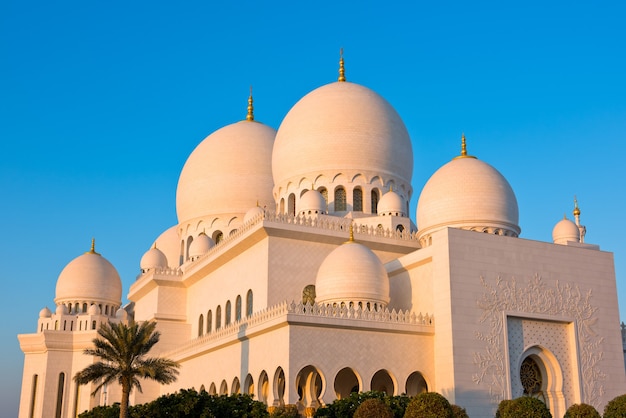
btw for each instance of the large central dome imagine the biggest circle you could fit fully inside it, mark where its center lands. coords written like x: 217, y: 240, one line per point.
x: 342, y: 129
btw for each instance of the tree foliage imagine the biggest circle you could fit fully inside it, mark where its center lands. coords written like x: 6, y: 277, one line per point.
x: 458, y: 412
x: 429, y: 405
x: 616, y: 408
x: 524, y: 407
x: 373, y: 408
x: 345, y: 408
x: 122, y: 350
x: 190, y: 404
x: 581, y: 410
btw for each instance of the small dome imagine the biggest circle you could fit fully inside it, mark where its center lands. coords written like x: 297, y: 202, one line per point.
x: 200, y: 246
x: 253, y: 213
x: 312, y: 202
x: 121, y: 314
x: 93, y: 310
x: 391, y: 204
x: 352, y: 273
x: 470, y: 194
x: 61, y: 309
x: 565, y: 231
x: 153, y: 258
x: 45, y: 313
x: 89, y: 277
x: 227, y: 173
x: 169, y: 244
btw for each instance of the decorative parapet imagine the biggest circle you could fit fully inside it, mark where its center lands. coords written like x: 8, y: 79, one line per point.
x: 283, y: 311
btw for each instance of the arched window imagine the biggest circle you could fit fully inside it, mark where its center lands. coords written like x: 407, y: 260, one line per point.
x: 357, y: 200
x: 93, y: 325
x: 282, y: 206
x: 200, y: 325
x: 189, y: 241
x: 374, y: 201
x: 238, y: 308
x: 33, y: 396
x: 209, y: 321
x: 249, y: 303
x: 532, y: 380
x: 181, y: 258
x: 324, y: 194
x: 227, y: 313
x: 218, y: 318
x: 218, y: 236
x: 340, y: 199
x: 84, y: 307
x: 291, y: 205
x: 60, y: 389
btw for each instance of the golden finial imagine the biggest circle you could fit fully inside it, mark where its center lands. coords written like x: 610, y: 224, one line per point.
x: 257, y: 203
x: 463, y: 149
x: 351, y: 229
x: 391, y: 187
x: 93, y: 247
x: 342, y: 70
x: 154, y: 245
x: 250, y: 116
x: 576, y: 208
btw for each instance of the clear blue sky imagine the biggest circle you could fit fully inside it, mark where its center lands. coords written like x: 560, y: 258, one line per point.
x: 101, y: 103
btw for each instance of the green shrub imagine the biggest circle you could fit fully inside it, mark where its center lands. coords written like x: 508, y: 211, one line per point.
x: 616, y: 408
x: 112, y: 411
x: 524, y: 407
x: 429, y: 405
x: 284, y: 411
x: 458, y: 412
x: 373, y: 408
x: 581, y: 410
x: 346, y: 407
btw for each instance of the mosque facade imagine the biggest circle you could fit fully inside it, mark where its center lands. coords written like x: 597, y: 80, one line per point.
x: 295, y: 274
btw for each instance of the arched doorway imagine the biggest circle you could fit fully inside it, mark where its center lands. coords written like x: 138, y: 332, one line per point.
x: 264, y: 387
x: 309, y: 386
x: 346, y: 382
x: 248, y: 385
x: 382, y: 382
x: 539, y: 375
x: 415, y: 384
x: 279, y: 387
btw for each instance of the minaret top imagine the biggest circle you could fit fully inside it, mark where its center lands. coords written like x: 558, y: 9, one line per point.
x: 342, y: 70
x: 463, y: 149
x: 250, y: 116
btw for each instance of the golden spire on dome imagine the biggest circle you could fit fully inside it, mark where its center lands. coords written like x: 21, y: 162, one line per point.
x: 351, y: 229
x: 463, y: 149
x: 342, y: 69
x: 576, y: 208
x: 250, y: 116
x: 93, y: 247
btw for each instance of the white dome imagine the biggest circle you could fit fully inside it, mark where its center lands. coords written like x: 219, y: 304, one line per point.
x: 61, y: 309
x: 469, y: 194
x: 352, y: 273
x: 200, y: 245
x: 252, y: 213
x: 121, y: 314
x: 89, y: 277
x: 45, y: 313
x: 341, y: 128
x: 565, y: 231
x: 391, y: 204
x: 227, y: 173
x: 312, y: 202
x: 169, y: 244
x: 93, y: 310
x: 153, y: 258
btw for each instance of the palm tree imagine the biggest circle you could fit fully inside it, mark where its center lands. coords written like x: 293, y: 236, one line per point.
x: 122, y: 350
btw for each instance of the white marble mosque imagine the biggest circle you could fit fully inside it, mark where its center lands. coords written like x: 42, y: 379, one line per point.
x: 295, y: 273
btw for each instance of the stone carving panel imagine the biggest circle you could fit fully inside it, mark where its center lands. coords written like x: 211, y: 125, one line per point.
x: 536, y: 297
